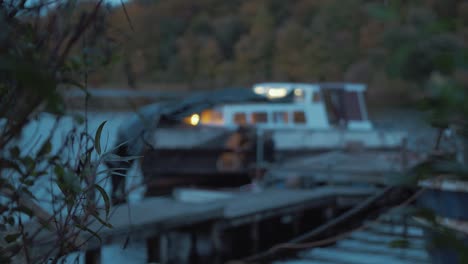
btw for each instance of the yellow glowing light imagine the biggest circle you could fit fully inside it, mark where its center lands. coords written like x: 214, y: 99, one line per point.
x: 298, y: 92
x: 259, y: 90
x: 277, y: 92
x: 194, y: 119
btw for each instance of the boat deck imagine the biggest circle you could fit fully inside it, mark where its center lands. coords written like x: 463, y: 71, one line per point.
x: 345, y: 168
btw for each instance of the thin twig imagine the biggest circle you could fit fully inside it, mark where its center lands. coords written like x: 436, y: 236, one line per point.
x: 127, y: 16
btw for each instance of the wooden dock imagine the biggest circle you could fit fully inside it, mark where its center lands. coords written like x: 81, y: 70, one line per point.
x: 155, y: 216
x: 154, y: 219
x: 389, y: 239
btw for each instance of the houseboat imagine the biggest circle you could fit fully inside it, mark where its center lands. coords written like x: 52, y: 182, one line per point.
x: 300, y: 116
x: 188, y: 142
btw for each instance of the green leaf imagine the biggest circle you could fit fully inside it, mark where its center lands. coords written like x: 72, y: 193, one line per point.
x: 25, y: 210
x: 114, y: 157
x: 426, y: 214
x: 73, y: 181
x: 45, y: 149
x: 12, y: 237
x: 39, y: 173
x: 104, y: 223
x: 59, y: 172
x: 84, y: 228
x: 28, y: 192
x: 29, y: 163
x: 399, y: 243
x: 9, y: 219
x: 105, y: 197
x: 79, y: 119
x: 9, y: 164
x: 77, y: 84
x: 15, y: 152
x: 97, y: 138
x: 3, y: 208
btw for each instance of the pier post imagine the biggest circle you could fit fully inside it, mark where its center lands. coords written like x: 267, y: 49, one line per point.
x: 152, y: 249
x: 93, y: 256
x: 255, y: 236
x: 297, y: 223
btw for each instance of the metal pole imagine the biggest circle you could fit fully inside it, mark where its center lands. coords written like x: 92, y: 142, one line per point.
x: 260, y: 143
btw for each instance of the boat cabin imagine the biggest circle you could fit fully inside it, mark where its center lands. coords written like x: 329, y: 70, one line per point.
x: 318, y: 106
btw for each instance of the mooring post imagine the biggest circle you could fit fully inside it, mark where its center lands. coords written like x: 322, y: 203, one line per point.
x: 217, y: 243
x: 152, y: 249
x: 260, y: 154
x: 93, y: 256
x: 404, y: 153
x: 255, y: 236
x: 297, y: 223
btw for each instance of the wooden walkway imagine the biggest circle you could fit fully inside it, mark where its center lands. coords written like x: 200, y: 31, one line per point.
x: 372, y: 245
x: 154, y: 217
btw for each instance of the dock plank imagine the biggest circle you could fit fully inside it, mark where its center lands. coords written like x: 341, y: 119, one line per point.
x: 369, y: 246
x: 153, y: 216
x: 383, y: 239
x: 303, y: 261
x: 396, y: 229
x: 340, y: 256
x: 410, y: 253
x: 274, y: 199
x: 150, y: 217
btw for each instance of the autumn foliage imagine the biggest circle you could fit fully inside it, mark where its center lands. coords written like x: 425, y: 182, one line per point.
x: 210, y: 44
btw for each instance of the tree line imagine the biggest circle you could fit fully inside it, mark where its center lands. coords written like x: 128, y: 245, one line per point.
x: 209, y: 44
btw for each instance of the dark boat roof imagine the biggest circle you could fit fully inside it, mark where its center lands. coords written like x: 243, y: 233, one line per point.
x: 173, y: 111
x: 176, y: 110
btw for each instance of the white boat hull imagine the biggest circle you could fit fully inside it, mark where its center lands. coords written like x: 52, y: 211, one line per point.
x: 285, y: 140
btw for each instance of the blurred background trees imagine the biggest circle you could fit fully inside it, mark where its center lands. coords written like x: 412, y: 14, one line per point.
x: 210, y: 43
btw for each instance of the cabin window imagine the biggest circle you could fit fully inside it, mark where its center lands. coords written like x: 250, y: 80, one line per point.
x: 316, y: 97
x: 259, y: 117
x: 211, y: 116
x: 240, y: 118
x: 280, y: 117
x: 299, y: 117
x: 299, y: 95
x: 333, y: 100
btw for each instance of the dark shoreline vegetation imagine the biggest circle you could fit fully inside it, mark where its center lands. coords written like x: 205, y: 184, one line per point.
x: 187, y: 45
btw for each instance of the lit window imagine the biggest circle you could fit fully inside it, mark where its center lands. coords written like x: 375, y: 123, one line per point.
x: 299, y: 95
x: 259, y: 117
x: 280, y: 117
x: 299, y: 117
x: 211, y: 116
x: 274, y: 93
x: 298, y: 92
x: 259, y: 90
x: 240, y: 118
